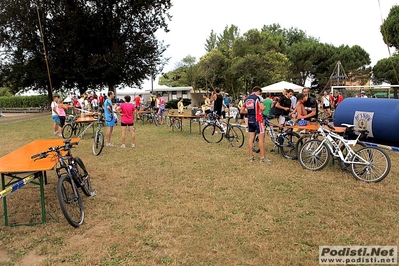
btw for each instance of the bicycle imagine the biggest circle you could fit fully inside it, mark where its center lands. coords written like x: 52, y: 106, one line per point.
x: 368, y: 164
x: 306, y: 136
x: 215, y: 130
x: 72, y: 174
x: 285, y: 140
x: 98, y: 140
x: 173, y: 121
x: 71, y: 127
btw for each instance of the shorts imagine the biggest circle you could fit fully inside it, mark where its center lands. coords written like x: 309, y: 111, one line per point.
x: 56, y: 118
x: 62, y: 121
x: 257, y: 127
x: 127, y: 125
x: 110, y: 123
x: 161, y: 110
x: 326, y: 107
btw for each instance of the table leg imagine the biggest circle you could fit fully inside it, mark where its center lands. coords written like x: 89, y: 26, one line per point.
x: 3, y: 186
x: 41, y: 176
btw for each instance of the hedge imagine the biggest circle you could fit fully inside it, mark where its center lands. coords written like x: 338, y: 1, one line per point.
x: 23, y: 101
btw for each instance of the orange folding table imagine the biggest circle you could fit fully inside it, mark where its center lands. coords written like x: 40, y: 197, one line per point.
x: 21, y: 170
x: 89, y: 120
x: 192, y: 118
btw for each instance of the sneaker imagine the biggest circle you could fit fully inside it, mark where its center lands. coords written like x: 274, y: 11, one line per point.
x: 251, y: 160
x: 110, y: 145
x: 55, y: 133
x: 59, y: 135
x: 133, y: 145
x: 123, y: 146
x: 264, y: 160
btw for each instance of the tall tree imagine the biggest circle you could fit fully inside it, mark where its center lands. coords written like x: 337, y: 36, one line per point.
x: 386, y: 70
x: 89, y: 43
x: 389, y: 28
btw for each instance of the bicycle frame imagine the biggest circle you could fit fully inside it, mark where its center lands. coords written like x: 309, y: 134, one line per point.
x: 334, y: 141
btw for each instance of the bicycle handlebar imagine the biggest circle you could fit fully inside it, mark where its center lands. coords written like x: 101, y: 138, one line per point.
x: 68, y: 145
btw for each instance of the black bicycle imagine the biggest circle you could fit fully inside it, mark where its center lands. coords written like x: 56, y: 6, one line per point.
x: 72, y: 127
x: 215, y: 130
x: 285, y: 140
x: 98, y: 141
x: 72, y: 174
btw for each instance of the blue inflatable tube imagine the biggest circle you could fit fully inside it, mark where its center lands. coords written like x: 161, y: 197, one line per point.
x: 379, y: 116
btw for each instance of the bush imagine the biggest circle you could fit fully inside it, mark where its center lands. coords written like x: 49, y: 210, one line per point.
x: 23, y: 101
x: 172, y: 104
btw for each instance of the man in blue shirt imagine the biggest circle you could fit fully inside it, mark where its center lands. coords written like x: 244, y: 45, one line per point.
x: 109, y: 117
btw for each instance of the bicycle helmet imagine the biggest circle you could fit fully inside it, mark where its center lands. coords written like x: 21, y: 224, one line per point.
x: 289, y: 123
x: 302, y: 122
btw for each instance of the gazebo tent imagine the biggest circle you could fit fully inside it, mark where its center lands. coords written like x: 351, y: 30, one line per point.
x: 280, y: 86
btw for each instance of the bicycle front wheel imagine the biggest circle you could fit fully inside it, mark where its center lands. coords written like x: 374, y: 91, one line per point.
x: 84, y: 175
x: 67, y: 131
x: 70, y: 201
x: 212, y: 133
x: 288, y: 145
x: 177, y: 123
x: 370, y: 164
x: 169, y: 121
x: 314, y: 155
x: 98, y: 143
x: 235, y: 137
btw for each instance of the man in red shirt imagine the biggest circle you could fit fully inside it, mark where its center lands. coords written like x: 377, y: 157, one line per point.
x: 137, y: 101
x: 340, y: 98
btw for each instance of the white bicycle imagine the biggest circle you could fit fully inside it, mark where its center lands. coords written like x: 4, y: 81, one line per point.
x: 368, y: 164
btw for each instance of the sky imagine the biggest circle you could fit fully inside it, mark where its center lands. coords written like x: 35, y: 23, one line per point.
x: 337, y: 22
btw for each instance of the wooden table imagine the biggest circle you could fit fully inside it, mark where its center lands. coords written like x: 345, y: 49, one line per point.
x: 310, y: 127
x: 21, y: 170
x: 193, y: 118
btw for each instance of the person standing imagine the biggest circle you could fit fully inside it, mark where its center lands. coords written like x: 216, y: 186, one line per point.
x: 180, y: 106
x: 218, y: 102
x: 326, y: 100
x: 94, y: 103
x: 284, y: 105
x: 311, y: 106
x: 55, y: 116
x: 340, y: 98
x: 268, y: 105
x: 254, y: 107
x: 61, y: 114
x: 137, y: 102
x: 126, y: 111
x: 160, y: 104
x: 109, y: 117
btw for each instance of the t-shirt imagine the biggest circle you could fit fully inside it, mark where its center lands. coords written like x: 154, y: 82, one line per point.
x: 252, y: 104
x: 109, y: 115
x: 268, y: 106
x: 137, y: 101
x: 284, y: 102
x: 127, y: 111
x: 54, y: 105
x: 309, y: 104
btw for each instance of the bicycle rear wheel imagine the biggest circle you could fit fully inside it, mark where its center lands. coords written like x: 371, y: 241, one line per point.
x: 84, y: 176
x: 212, y: 133
x: 314, y: 155
x: 70, y: 201
x: 98, y: 143
x: 235, y: 137
x: 67, y: 131
x: 155, y: 119
x: 169, y: 122
x: 377, y: 167
x: 288, y: 145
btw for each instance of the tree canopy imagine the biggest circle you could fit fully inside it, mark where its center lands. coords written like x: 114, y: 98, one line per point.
x: 89, y: 44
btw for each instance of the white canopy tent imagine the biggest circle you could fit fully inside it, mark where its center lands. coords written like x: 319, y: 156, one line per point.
x: 280, y: 86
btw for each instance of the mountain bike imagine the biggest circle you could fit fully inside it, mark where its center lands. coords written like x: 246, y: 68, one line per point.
x: 215, y: 130
x: 72, y: 174
x: 368, y: 164
x: 98, y: 140
x: 285, y: 140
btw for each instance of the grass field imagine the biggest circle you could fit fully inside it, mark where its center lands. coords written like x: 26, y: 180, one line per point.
x: 176, y: 200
